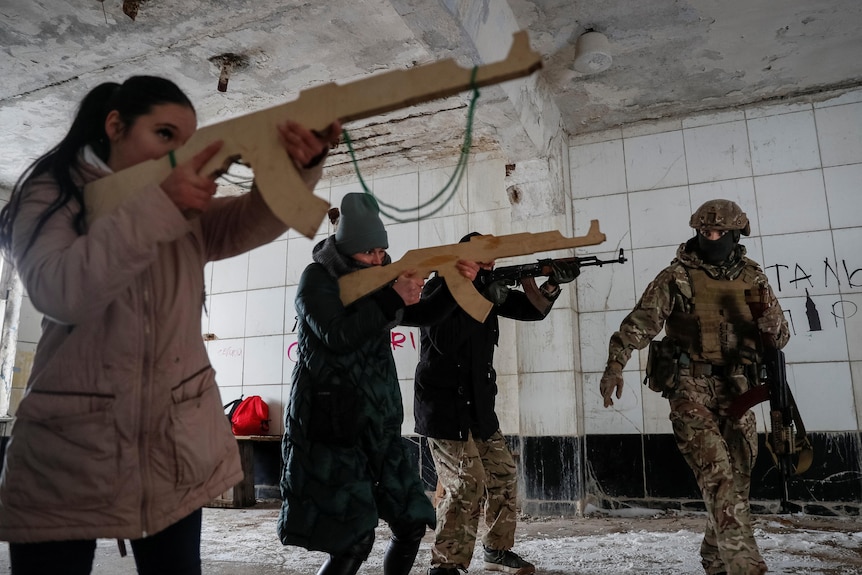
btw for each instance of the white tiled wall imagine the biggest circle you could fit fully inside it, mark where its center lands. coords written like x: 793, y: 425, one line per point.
x: 782, y: 142
x: 717, y: 152
x: 842, y: 195
x: 655, y: 161
x: 267, y: 266
x: 547, y: 404
x: 797, y: 172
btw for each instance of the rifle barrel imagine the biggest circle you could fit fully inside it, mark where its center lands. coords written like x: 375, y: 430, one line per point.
x: 586, y: 261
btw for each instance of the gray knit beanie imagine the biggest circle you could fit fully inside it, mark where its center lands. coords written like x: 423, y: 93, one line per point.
x: 359, y: 225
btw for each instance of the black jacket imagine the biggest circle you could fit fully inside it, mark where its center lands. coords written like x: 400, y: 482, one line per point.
x: 456, y: 385
x: 335, y: 489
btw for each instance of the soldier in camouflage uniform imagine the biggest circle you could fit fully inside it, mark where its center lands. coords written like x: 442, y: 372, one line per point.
x: 708, y: 358
x: 455, y: 392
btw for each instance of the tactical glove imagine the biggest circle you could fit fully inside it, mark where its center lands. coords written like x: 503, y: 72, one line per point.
x: 498, y: 291
x: 770, y: 324
x: 611, y: 380
x: 563, y: 273
x: 550, y: 290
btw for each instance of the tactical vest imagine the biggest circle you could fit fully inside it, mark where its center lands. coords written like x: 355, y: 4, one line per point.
x: 718, y: 328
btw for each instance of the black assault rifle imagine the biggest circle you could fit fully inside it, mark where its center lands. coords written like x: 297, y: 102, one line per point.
x: 513, y: 275
x: 787, y: 438
x: 545, y: 267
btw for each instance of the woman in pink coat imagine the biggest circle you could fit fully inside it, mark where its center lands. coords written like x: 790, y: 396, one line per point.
x: 121, y: 432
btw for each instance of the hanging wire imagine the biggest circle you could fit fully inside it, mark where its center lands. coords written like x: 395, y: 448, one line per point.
x: 451, y: 186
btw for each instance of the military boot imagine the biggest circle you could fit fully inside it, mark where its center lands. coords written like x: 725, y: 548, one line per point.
x: 507, y: 562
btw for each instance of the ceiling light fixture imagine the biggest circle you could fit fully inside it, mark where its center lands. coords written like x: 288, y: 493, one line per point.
x: 592, y: 53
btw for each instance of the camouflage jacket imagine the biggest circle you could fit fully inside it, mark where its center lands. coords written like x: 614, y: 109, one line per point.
x: 671, y: 292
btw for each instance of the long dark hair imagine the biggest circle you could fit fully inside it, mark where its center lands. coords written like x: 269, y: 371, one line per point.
x: 133, y: 98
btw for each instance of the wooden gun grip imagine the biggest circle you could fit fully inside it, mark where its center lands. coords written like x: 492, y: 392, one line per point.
x: 464, y: 292
x: 278, y: 179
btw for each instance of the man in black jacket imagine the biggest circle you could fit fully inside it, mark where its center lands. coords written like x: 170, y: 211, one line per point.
x: 455, y: 393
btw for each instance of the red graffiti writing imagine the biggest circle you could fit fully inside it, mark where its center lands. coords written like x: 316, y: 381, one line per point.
x: 399, y: 339
x: 291, y: 351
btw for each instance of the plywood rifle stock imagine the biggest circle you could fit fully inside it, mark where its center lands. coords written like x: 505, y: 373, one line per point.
x: 254, y: 137
x: 442, y: 259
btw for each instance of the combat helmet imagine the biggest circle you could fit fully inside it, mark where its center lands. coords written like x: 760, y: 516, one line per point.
x: 720, y: 215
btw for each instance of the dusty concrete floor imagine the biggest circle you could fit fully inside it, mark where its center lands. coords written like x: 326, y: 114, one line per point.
x: 243, y: 542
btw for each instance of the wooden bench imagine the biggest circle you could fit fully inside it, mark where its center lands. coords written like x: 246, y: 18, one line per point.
x: 242, y: 494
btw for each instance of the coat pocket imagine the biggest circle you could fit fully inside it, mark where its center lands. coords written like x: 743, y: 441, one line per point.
x: 67, y: 461
x: 662, y: 369
x: 199, y: 432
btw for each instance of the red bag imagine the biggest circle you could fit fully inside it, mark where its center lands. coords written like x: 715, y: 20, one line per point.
x: 249, y: 416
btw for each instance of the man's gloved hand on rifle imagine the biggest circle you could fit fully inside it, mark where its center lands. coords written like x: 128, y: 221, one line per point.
x: 563, y: 272
x: 498, y: 291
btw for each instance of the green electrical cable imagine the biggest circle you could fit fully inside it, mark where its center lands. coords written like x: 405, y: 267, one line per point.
x: 453, y: 182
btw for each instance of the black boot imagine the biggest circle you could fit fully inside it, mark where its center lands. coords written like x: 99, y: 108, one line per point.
x: 341, y: 565
x: 402, y: 549
x: 351, y: 560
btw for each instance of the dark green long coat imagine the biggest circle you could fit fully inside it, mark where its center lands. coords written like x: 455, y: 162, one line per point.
x: 334, y: 494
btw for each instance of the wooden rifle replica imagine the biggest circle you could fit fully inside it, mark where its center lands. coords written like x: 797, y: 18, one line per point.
x: 253, y: 138
x: 442, y: 259
x: 787, y: 438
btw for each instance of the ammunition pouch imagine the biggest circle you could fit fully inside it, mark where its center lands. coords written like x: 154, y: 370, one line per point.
x: 663, y: 362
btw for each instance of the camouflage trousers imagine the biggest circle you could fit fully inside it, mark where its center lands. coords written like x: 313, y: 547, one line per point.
x: 475, y: 475
x: 721, y: 452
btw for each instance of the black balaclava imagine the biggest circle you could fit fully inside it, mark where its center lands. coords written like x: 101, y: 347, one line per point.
x: 717, y: 251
